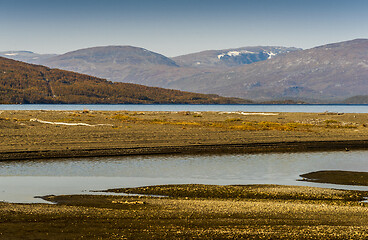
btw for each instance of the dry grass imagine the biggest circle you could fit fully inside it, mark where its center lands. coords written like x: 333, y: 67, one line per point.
x: 236, y: 123
x: 124, y: 129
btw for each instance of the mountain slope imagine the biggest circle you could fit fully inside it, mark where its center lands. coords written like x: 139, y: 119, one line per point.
x: 327, y: 73
x: 26, y: 83
x: 356, y: 100
x: 114, y: 63
x: 231, y: 57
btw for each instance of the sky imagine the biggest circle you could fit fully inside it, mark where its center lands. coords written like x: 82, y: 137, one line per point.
x: 177, y: 27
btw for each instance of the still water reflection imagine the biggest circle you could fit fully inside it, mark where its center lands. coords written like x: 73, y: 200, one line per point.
x: 20, y: 181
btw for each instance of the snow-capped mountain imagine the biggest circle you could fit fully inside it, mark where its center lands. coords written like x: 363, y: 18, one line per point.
x: 231, y: 57
x: 328, y: 73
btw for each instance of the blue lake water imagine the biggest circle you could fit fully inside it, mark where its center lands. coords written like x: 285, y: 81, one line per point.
x: 361, y: 108
x: 20, y: 181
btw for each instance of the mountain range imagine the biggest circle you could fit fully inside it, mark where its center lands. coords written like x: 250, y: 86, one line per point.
x: 324, y: 74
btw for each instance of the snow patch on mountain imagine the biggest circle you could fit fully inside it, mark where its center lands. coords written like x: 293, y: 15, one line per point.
x: 271, y: 54
x: 11, y: 54
x: 234, y: 53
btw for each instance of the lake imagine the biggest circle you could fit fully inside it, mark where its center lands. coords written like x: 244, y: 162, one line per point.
x: 20, y: 181
x: 344, y: 108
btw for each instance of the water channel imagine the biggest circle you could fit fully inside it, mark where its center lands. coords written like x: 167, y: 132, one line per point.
x: 20, y: 181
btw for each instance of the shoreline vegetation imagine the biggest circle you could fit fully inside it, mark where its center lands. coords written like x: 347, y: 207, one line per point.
x: 64, y: 134
x: 186, y: 211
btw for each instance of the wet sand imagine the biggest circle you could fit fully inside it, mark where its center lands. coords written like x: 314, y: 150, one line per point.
x: 337, y: 177
x: 50, y: 134
x: 193, y: 211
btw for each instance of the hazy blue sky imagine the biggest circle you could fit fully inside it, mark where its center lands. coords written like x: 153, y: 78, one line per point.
x: 175, y: 27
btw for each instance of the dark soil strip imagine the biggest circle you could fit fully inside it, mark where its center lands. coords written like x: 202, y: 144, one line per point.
x: 337, y: 177
x: 191, y: 149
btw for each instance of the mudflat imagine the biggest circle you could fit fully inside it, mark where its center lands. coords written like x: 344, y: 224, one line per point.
x: 193, y: 212
x: 48, y: 134
x: 337, y: 177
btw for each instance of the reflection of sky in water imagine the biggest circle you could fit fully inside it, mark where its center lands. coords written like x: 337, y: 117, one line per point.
x: 20, y: 180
